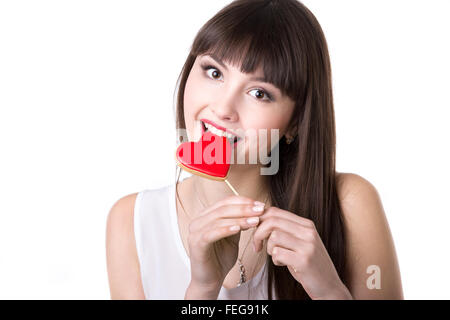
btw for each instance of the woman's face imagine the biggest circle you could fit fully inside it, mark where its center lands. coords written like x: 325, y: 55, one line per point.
x: 242, y: 103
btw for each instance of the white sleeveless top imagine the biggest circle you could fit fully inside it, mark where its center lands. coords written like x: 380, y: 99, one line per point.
x: 165, y: 265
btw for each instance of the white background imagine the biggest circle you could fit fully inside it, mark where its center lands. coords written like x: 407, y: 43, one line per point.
x: 86, y: 117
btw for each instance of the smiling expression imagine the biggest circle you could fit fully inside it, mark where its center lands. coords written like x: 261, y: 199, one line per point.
x: 228, y: 100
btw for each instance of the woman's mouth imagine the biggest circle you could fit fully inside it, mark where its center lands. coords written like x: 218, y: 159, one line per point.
x: 233, y: 139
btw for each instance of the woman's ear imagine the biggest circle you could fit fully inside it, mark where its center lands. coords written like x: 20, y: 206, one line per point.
x: 292, y: 131
x: 291, y: 134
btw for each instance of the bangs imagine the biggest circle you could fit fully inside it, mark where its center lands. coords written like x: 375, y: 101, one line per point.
x: 252, y: 40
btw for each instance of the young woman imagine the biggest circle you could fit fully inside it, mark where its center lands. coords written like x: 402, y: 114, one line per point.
x: 316, y: 233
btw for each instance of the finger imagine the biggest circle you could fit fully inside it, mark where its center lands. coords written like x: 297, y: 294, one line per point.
x: 228, y: 200
x: 242, y: 222
x: 219, y: 233
x: 295, y: 229
x: 284, y: 257
x: 224, y: 212
x: 279, y: 238
x: 277, y: 212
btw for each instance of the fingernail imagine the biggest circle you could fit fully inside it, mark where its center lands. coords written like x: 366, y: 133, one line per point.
x: 234, y: 228
x: 258, y: 208
x: 253, y: 220
x: 257, y: 203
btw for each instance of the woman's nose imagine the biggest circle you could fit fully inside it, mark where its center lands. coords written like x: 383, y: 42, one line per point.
x: 226, y: 115
x: 226, y: 109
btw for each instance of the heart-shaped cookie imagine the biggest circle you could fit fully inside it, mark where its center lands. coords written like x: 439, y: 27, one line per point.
x: 209, y: 157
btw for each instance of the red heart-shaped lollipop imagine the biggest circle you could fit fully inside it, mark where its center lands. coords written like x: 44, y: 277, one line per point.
x: 209, y: 157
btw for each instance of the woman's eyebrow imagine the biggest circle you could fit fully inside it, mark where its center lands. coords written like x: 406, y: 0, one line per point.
x: 260, y: 79
x: 212, y: 55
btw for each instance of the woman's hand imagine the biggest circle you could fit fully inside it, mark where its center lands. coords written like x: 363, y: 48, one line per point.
x: 293, y: 241
x: 213, y: 244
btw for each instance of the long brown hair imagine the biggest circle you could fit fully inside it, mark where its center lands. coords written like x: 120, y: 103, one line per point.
x: 285, y: 38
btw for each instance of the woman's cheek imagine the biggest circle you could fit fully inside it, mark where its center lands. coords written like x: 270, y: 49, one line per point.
x: 194, y: 101
x: 256, y: 145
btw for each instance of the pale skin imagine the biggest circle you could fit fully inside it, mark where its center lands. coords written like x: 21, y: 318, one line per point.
x: 231, y: 98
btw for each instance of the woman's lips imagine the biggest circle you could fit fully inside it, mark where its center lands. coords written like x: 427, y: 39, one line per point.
x: 204, y: 130
x: 215, y: 125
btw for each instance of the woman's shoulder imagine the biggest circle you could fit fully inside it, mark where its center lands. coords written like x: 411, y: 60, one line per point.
x: 361, y: 205
x: 124, y: 205
x: 122, y: 260
x: 359, y: 199
x: 369, y: 240
x: 351, y: 186
x: 120, y: 218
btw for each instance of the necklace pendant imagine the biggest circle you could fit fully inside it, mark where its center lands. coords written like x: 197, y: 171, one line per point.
x: 242, y: 280
x: 242, y: 273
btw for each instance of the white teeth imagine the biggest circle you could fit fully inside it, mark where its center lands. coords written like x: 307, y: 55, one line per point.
x: 219, y: 132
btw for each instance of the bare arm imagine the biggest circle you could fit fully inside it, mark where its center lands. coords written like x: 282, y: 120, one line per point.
x: 121, y: 255
x: 369, y: 242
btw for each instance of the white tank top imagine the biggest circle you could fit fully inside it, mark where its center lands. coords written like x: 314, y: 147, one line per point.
x: 165, y: 265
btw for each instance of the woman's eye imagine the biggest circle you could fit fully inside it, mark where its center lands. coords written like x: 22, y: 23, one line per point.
x: 261, y: 95
x: 213, y: 73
